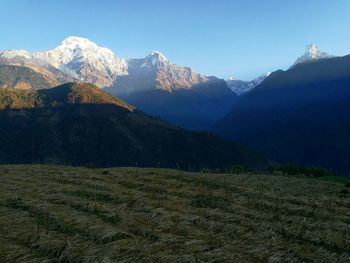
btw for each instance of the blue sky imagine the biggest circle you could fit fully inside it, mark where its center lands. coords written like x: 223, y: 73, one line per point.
x: 242, y: 38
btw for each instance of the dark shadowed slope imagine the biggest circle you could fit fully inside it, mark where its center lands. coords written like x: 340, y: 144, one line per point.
x: 300, y: 116
x: 81, y: 124
x: 196, y: 108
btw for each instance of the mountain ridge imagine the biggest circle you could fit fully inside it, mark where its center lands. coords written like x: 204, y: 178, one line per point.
x: 298, y: 116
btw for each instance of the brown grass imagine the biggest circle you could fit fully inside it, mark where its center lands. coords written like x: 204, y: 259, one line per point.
x: 64, y: 214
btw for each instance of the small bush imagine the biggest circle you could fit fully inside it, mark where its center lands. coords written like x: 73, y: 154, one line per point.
x: 237, y: 169
x: 307, y: 171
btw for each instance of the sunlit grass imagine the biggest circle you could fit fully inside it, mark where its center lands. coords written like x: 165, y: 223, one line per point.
x: 65, y: 214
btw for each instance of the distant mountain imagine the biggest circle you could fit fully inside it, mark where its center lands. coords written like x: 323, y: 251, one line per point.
x: 85, y: 60
x: 312, y: 53
x: 300, y: 116
x: 78, y: 57
x: 81, y: 124
x: 240, y: 86
x: 155, y: 72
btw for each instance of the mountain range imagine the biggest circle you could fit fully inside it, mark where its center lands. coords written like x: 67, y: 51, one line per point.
x: 152, y: 84
x: 78, y: 58
x: 86, y: 61
x: 298, y: 115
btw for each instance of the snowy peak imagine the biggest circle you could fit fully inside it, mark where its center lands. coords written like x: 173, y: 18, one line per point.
x: 77, y: 42
x: 156, y: 71
x: 155, y: 58
x: 159, y: 56
x: 85, y: 60
x: 79, y: 58
x: 79, y: 45
x: 312, y: 52
x: 240, y: 86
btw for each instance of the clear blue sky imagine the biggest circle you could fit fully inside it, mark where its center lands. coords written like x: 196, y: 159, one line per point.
x: 242, y: 38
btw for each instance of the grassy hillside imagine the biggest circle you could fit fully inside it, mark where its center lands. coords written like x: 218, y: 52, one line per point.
x: 64, y: 214
x: 65, y: 94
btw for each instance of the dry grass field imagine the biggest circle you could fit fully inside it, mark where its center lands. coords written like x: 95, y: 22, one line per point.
x: 65, y: 214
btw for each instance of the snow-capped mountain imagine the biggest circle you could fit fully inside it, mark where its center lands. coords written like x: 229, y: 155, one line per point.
x: 312, y: 52
x: 155, y: 71
x: 77, y: 57
x: 240, y: 86
x: 155, y: 58
x: 86, y: 61
x: 168, y: 76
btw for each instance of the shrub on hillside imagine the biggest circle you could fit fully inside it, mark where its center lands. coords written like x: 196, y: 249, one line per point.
x: 307, y: 171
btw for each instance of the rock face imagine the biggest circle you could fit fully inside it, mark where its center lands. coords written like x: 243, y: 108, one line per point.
x: 81, y: 124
